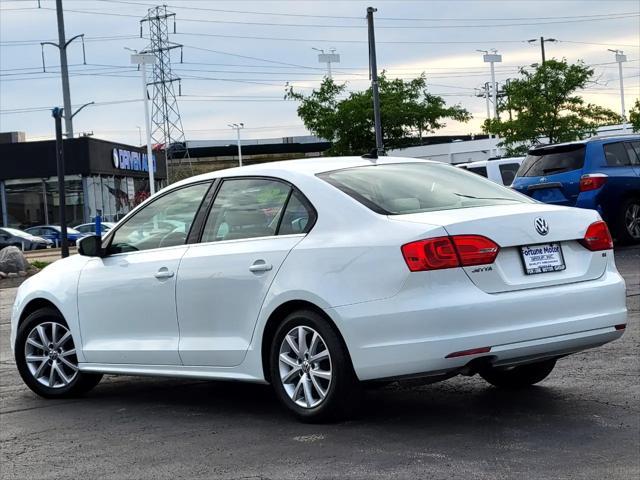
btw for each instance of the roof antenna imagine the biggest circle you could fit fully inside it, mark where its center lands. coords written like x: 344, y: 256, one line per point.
x: 372, y: 155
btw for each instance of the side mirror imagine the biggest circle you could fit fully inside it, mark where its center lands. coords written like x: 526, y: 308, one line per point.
x: 91, y: 246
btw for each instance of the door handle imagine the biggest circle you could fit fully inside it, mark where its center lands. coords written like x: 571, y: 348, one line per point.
x: 163, y: 273
x: 260, y: 266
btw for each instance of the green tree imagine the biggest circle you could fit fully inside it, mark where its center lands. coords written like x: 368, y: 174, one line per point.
x: 634, y: 116
x: 543, y: 104
x: 346, y: 119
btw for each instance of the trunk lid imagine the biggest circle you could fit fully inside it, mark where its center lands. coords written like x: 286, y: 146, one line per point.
x: 514, y: 226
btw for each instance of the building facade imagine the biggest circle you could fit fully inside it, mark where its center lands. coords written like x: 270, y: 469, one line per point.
x: 101, y: 177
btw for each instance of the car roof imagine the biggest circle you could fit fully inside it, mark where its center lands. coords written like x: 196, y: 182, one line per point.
x: 301, y: 167
x: 603, y: 138
x: 498, y: 161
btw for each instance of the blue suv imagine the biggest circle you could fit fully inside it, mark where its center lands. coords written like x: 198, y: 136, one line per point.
x: 601, y: 173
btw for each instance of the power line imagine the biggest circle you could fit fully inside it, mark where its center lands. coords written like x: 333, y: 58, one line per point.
x: 353, y: 17
x: 319, y: 25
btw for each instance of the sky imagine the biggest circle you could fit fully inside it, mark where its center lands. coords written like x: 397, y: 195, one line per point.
x: 238, y: 55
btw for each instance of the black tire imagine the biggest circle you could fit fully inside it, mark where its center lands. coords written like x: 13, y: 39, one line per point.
x: 521, y: 376
x: 343, y: 392
x: 80, y: 384
x: 622, y: 231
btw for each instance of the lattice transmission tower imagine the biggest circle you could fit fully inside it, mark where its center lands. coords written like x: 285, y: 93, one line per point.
x: 166, y: 124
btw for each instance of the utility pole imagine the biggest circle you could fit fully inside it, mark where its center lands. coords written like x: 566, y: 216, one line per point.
x: 238, y: 127
x: 64, y: 66
x: 621, y: 58
x: 57, y: 114
x: 373, y: 72
x: 542, y: 40
x: 143, y: 60
x: 327, y: 58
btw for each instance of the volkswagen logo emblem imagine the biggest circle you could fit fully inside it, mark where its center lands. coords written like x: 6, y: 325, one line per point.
x: 542, y: 227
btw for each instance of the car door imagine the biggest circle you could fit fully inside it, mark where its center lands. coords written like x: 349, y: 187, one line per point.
x: 252, y: 226
x: 5, y: 239
x: 126, y: 300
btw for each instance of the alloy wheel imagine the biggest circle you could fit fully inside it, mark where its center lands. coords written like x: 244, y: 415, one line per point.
x: 632, y: 220
x: 304, y: 363
x: 51, y: 355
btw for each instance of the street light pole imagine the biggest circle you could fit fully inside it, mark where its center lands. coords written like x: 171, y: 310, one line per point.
x: 542, y: 40
x: 143, y: 60
x: 621, y: 58
x: 238, y: 127
x: 373, y: 71
x: 57, y: 114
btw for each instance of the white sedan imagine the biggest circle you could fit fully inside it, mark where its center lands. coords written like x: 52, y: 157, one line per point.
x: 319, y: 276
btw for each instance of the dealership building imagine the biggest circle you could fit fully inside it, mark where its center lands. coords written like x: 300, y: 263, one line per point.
x: 101, y: 177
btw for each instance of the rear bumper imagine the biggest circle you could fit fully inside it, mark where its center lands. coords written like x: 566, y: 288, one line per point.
x: 413, y: 332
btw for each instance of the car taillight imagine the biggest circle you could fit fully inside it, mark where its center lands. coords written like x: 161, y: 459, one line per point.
x: 592, y: 181
x: 449, y: 252
x: 597, y: 237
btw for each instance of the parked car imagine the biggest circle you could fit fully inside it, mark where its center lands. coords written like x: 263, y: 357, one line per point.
x: 499, y: 170
x: 320, y: 274
x: 601, y: 173
x: 54, y: 233
x: 90, y: 228
x: 22, y: 240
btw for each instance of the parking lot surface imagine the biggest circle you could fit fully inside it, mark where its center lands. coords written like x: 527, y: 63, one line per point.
x: 583, y: 422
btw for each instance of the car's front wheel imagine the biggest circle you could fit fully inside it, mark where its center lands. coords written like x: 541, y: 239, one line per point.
x: 310, y: 369
x: 46, y: 357
x: 520, y: 376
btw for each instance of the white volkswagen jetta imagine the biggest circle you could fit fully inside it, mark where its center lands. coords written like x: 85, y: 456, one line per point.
x: 317, y: 275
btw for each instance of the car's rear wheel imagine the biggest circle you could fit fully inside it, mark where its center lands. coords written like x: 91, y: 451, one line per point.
x: 310, y: 369
x: 46, y: 357
x: 520, y: 376
x: 628, y: 223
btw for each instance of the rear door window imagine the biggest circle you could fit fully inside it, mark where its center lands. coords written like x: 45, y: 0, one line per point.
x: 246, y: 208
x: 552, y: 160
x: 616, y: 155
x: 508, y: 172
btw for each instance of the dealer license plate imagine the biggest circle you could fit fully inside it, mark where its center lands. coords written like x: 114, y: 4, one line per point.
x: 542, y: 258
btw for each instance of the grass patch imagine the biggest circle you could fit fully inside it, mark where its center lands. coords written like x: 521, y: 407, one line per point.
x: 39, y: 264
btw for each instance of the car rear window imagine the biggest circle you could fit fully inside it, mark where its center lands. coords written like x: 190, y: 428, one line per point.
x: 552, y: 160
x: 482, y: 171
x: 403, y: 188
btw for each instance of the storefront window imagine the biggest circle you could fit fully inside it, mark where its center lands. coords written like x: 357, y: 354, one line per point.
x: 74, y: 200
x: 25, y: 203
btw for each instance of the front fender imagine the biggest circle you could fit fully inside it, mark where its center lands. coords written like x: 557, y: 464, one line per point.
x: 57, y: 284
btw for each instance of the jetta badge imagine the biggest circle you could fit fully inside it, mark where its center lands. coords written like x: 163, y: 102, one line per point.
x: 542, y: 227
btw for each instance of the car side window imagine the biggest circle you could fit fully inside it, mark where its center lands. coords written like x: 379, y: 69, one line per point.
x: 165, y: 222
x: 616, y: 154
x: 297, y: 217
x: 508, y: 172
x: 636, y: 147
x: 633, y: 152
x: 246, y: 208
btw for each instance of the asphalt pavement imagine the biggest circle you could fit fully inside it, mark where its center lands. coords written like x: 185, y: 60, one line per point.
x: 583, y: 422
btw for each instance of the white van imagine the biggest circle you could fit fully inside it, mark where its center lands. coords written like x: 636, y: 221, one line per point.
x: 499, y: 170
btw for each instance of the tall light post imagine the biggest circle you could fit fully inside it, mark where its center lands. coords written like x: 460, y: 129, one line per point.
x: 491, y: 57
x: 237, y: 127
x: 327, y: 58
x: 144, y: 59
x: 373, y: 73
x: 542, y: 41
x: 621, y: 58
